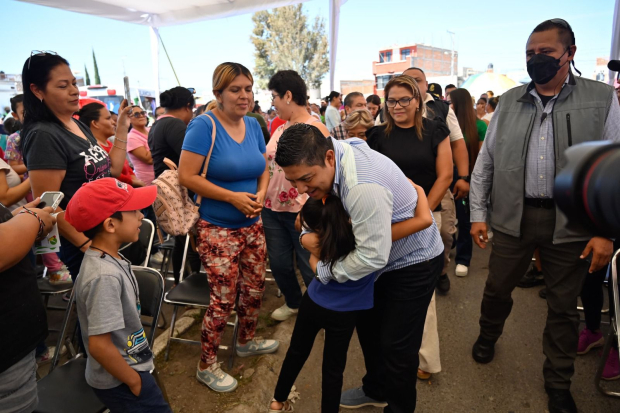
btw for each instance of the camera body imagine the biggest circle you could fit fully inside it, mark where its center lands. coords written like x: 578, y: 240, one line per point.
x: 588, y: 188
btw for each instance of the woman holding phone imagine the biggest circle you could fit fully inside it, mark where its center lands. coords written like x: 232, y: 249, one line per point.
x: 60, y: 152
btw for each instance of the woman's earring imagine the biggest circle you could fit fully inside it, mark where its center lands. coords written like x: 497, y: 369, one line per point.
x: 288, y: 102
x: 41, y: 100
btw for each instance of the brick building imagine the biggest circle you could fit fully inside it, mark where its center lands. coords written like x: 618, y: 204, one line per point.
x: 393, y: 61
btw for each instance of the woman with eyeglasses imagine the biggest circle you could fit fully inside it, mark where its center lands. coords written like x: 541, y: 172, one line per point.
x: 357, y: 123
x: 60, y: 152
x: 138, y: 146
x: 420, y: 148
x: 282, y: 201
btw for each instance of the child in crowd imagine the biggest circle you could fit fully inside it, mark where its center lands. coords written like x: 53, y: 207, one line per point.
x: 333, y: 306
x: 108, y: 303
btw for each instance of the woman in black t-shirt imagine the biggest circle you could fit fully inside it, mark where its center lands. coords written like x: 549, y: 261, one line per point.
x: 60, y: 152
x: 22, y: 315
x: 420, y: 148
x: 166, y: 140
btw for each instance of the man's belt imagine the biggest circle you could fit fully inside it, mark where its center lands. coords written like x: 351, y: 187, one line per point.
x: 546, y: 203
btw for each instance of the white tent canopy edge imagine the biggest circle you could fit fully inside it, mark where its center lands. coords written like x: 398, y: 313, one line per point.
x: 161, y: 13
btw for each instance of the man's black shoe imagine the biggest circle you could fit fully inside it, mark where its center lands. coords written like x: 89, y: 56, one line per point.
x: 483, y: 351
x: 560, y: 401
x: 443, y: 285
x: 543, y: 293
x: 532, y: 278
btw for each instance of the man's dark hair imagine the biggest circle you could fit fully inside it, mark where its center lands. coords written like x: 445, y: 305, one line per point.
x: 322, y: 110
x: 374, y: 99
x: 565, y: 32
x: 415, y: 68
x: 302, y: 144
x: 348, y: 101
x: 91, y: 233
x: 289, y: 80
x: 450, y: 86
x: 15, y: 100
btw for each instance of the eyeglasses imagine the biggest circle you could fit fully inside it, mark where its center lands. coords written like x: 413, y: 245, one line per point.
x: 138, y: 114
x: 404, y: 102
x: 40, y: 53
x: 273, y: 97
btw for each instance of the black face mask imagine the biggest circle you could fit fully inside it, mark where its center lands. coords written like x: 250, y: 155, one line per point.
x: 543, y: 68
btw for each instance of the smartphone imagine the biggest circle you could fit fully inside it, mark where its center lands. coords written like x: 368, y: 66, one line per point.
x: 127, y: 94
x: 51, y: 199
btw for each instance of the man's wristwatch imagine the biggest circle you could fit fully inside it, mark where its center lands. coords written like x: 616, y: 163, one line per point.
x: 465, y: 178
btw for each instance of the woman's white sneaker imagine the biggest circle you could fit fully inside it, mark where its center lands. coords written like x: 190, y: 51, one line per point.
x: 461, y: 270
x: 284, y: 313
x: 216, y: 379
x: 257, y: 346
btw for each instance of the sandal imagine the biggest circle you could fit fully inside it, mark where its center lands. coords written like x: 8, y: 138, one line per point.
x: 287, y: 405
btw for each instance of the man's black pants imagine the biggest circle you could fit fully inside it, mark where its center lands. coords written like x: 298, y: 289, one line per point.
x: 564, y: 274
x: 391, y: 333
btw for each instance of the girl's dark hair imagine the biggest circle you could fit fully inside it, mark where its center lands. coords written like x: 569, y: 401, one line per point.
x: 322, y: 110
x: 333, y: 226
x: 36, y: 71
x: 15, y: 100
x: 91, y: 233
x: 90, y: 113
x: 374, y: 99
x: 176, y: 98
x: 12, y: 125
x: 289, y: 80
x: 332, y: 95
x: 493, y: 102
x: 461, y: 100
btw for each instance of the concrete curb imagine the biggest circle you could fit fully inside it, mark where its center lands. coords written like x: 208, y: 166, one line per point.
x: 182, y: 324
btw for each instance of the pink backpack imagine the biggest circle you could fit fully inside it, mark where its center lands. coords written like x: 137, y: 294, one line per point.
x: 176, y: 212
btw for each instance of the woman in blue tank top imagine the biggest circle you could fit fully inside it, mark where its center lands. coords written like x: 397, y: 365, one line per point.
x: 333, y: 306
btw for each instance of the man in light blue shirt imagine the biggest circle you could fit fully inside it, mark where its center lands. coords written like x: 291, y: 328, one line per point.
x: 375, y: 193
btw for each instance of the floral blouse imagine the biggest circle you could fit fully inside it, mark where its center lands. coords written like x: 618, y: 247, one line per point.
x: 12, y: 152
x: 281, y: 196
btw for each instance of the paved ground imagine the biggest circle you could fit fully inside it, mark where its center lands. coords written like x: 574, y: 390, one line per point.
x: 511, y: 383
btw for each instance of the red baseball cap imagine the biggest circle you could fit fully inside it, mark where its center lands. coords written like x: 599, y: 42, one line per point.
x: 96, y: 201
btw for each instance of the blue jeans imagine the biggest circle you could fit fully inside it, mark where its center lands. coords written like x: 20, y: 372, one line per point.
x: 121, y: 400
x: 71, y: 256
x: 282, y: 244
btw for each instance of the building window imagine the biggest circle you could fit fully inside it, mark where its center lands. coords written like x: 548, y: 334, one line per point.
x: 382, y: 81
x: 404, y: 54
x: 385, y: 57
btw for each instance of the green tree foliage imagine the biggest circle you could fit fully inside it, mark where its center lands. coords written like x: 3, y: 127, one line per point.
x: 97, y: 78
x: 86, y: 76
x: 285, y: 39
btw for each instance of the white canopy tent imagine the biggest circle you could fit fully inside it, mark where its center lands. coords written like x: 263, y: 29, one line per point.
x: 614, y: 54
x: 161, y: 13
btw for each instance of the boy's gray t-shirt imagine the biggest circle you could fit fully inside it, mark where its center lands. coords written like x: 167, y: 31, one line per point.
x: 106, y: 292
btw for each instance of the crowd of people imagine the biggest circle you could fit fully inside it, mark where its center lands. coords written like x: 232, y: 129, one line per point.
x: 362, y: 195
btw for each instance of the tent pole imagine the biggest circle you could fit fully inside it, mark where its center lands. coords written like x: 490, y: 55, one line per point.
x: 614, y: 54
x: 168, y: 56
x: 155, y: 59
x: 334, y: 19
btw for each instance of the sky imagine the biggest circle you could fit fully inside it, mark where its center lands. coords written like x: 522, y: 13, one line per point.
x: 486, y: 32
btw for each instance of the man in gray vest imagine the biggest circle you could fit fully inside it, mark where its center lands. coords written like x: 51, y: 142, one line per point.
x: 524, y: 149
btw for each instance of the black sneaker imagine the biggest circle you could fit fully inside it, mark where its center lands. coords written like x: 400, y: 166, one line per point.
x: 543, y: 293
x: 443, y: 285
x: 532, y: 278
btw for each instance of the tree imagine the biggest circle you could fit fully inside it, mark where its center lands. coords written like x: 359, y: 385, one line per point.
x: 97, y: 78
x: 284, y: 39
x: 87, y: 77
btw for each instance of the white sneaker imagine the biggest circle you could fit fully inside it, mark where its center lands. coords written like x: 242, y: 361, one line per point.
x: 284, y: 313
x: 461, y: 270
x: 216, y: 379
x: 257, y: 346
x: 157, y: 258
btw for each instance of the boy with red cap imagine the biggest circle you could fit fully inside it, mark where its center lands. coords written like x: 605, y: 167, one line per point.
x: 108, y: 303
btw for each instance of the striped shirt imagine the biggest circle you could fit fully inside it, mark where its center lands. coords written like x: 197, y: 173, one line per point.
x: 376, y: 194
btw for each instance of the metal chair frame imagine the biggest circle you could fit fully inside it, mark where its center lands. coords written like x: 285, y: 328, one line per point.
x: 177, y: 304
x: 614, y: 328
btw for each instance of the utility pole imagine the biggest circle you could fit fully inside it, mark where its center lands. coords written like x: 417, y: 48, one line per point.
x: 452, y: 34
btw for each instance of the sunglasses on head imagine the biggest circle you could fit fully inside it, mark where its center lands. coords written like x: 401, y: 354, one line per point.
x: 40, y: 53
